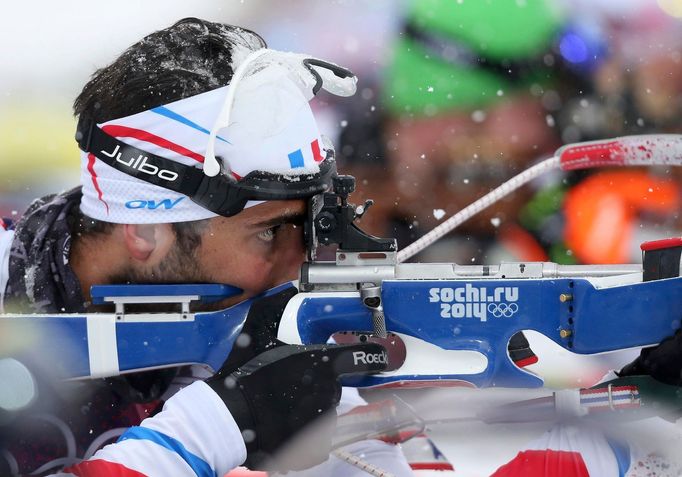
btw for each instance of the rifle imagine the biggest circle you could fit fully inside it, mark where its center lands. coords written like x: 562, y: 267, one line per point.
x: 442, y: 322
x: 452, y: 323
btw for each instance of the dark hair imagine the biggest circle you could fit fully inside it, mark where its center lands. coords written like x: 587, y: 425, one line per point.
x: 191, y: 57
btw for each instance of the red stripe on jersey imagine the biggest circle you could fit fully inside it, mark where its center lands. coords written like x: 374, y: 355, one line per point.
x: 102, y: 468
x: 541, y: 463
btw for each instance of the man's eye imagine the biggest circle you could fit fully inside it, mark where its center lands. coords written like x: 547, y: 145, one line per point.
x: 268, y: 235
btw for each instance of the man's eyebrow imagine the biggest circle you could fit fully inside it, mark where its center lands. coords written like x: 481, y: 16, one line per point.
x: 285, y: 218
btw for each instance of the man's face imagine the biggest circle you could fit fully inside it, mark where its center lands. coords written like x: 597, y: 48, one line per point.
x: 255, y: 250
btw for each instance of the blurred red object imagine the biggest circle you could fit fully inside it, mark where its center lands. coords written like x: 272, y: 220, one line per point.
x: 601, y: 212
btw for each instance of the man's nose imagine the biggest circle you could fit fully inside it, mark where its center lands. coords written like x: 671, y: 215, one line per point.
x: 290, y: 254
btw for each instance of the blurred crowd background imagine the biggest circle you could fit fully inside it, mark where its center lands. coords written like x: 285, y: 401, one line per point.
x: 455, y: 97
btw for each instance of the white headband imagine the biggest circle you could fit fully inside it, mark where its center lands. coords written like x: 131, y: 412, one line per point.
x: 262, y: 121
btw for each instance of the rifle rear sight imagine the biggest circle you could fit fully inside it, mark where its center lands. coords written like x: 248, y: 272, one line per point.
x: 331, y: 221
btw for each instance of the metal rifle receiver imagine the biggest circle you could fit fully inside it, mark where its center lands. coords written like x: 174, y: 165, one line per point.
x: 331, y: 222
x: 359, y: 256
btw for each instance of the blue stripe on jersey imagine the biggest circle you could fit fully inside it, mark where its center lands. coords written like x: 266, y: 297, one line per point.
x: 621, y: 452
x: 164, y: 111
x: 198, y: 465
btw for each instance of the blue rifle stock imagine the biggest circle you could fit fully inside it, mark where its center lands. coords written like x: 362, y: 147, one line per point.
x: 448, y: 307
x: 474, y: 315
x: 92, y: 345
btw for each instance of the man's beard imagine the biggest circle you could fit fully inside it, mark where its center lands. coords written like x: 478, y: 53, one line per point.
x: 178, y: 267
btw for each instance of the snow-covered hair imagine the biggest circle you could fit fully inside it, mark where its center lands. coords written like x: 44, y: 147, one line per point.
x: 190, y: 57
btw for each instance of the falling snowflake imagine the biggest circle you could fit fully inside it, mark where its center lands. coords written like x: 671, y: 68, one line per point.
x: 478, y: 116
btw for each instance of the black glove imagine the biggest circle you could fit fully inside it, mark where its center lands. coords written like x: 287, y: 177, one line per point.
x: 283, y: 390
x: 662, y: 362
x: 259, y: 332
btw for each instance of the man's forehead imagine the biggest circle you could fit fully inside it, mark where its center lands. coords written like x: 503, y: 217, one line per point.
x: 274, y: 209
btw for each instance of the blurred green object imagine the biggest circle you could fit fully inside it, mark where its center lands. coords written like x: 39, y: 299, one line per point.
x: 436, y: 67
x: 544, y: 203
x: 537, y: 218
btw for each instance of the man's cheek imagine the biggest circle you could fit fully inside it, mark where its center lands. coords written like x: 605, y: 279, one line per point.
x: 289, y: 263
x: 257, y: 275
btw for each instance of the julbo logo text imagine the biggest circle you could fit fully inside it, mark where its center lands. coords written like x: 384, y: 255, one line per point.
x: 139, y: 163
x: 476, y: 302
x: 369, y: 358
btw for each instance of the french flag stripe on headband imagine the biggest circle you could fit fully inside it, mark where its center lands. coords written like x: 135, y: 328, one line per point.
x: 296, y: 159
x: 95, y: 183
x: 315, y: 146
x: 164, y: 111
x: 125, y: 131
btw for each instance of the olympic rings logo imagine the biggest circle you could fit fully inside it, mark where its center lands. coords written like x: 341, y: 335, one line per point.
x: 503, y: 309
